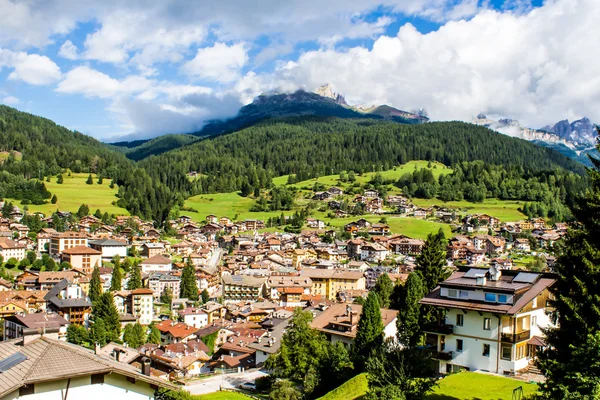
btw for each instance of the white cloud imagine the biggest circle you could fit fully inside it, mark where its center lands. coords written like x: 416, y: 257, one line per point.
x: 537, y: 68
x: 88, y: 82
x: 68, y: 50
x: 30, y: 68
x: 220, y: 62
x: 11, y: 100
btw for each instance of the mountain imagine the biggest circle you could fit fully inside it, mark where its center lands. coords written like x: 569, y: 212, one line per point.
x: 140, y: 149
x: 324, y: 102
x: 582, y: 131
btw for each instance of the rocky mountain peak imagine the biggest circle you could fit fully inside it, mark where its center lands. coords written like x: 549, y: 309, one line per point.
x: 327, y: 91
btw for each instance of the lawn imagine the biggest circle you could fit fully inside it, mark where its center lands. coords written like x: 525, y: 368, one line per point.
x: 477, y: 386
x: 504, y: 210
x: 74, y: 191
x: 353, y: 389
x: 231, y: 205
x: 461, y: 386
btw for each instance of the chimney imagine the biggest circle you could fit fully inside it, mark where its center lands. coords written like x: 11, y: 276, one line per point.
x: 352, y: 318
x: 480, y: 280
x: 96, y: 348
x: 495, y: 273
x: 146, y: 366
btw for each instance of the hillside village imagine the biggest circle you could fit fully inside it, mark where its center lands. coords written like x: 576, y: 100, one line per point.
x: 246, y: 283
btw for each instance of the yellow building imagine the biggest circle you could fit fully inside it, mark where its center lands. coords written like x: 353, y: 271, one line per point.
x: 302, y: 255
x: 329, y: 282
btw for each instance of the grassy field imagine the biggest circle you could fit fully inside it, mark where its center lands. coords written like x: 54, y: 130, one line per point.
x: 74, y: 191
x: 394, y: 173
x: 504, y: 210
x: 225, y: 205
x: 461, y: 386
x: 353, y: 389
x: 222, y: 396
x: 472, y: 385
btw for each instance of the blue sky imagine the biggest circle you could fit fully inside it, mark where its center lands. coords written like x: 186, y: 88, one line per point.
x: 139, y: 69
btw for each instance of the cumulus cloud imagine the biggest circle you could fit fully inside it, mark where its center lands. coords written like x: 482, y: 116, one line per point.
x: 68, y: 50
x: 11, y: 100
x: 537, y: 67
x: 88, y: 82
x: 220, y: 62
x: 30, y: 68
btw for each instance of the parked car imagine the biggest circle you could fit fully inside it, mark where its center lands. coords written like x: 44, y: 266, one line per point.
x: 249, y: 386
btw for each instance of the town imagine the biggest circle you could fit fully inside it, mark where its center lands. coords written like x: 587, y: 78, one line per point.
x: 216, y: 298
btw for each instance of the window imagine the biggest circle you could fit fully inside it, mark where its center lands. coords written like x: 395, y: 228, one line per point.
x: 486, y: 324
x: 459, y: 319
x: 502, y: 298
x: 506, y: 353
x: 459, y: 345
x: 464, y: 294
x: 534, y: 303
x: 97, y: 379
x: 26, y: 390
x: 534, y: 321
x: 490, y: 297
x: 452, y: 293
x: 486, y: 350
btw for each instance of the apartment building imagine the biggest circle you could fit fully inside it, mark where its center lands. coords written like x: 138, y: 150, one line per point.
x: 329, y: 282
x: 67, y: 240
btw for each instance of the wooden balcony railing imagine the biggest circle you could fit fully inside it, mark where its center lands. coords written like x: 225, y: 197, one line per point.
x: 516, y: 337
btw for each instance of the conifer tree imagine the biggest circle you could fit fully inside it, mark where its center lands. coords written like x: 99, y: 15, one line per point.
x: 571, y: 360
x: 135, y: 278
x: 189, y: 287
x: 95, y: 285
x: 369, y: 333
x: 431, y: 262
x: 89, y: 181
x: 384, y: 288
x: 54, y: 199
x: 98, y: 332
x: 117, y: 277
x: 106, y: 310
x: 409, y: 330
x: 205, y: 296
x: 59, y: 180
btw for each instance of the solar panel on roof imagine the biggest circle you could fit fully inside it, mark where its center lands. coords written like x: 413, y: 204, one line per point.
x: 525, y: 277
x: 12, y: 360
x: 473, y: 272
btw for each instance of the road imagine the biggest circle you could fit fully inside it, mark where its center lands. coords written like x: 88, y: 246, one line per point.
x: 230, y: 381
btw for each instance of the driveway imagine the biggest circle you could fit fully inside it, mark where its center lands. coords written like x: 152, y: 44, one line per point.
x: 230, y: 381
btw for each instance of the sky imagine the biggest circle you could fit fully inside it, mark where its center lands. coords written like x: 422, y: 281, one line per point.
x: 121, y: 70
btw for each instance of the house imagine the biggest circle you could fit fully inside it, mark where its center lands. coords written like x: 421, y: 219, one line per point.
x: 156, y: 263
x: 475, y: 256
x: 420, y: 213
x: 243, y: 287
x: 379, y: 229
x: 51, y: 325
x: 321, y: 196
x: 142, y: 305
x: 493, y: 320
x: 32, y: 299
x: 288, y: 290
x: 46, y: 368
x: 339, y: 322
x: 68, y: 300
x: 11, y: 249
x: 212, y: 219
x: 373, y: 252
x: 195, y: 317
x: 328, y: 282
x: 43, y: 239
x: 315, y: 223
x: 82, y: 258
x: 5, y: 285
x: 158, y: 282
x: 66, y: 240
x: 269, y: 344
x: 150, y: 250
x: 109, y: 248
x: 336, y: 191
x: 522, y: 244
x: 175, y: 332
x: 371, y: 193
x: 406, y: 246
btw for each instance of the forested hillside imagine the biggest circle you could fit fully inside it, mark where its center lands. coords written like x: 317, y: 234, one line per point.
x: 313, y: 146
x: 47, y: 148
x: 140, y: 149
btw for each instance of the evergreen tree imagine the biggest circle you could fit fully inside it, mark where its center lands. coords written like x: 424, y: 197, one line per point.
x: 369, y: 333
x: 166, y: 297
x: 98, y: 333
x: 89, y: 181
x: 59, y: 180
x: 77, y: 334
x: 409, y: 330
x: 135, y: 278
x: 189, y: 287
x: 205, y: 296
x: 384, y: 288
x: 284, y: 389
x: 116, y: 278
x: 154, y: 336
x: 100, y: 180
x: 431, y: 263
x: 571, y: 362
x: 83, y: 211
x: 134, y: 335
x: 98, y: 213
x: 106, y: 310
x: 95, y: 285
x: 54, y: 199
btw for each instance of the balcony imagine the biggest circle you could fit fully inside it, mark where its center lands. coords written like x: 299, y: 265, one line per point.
x: 441, y: 355
x: 435, y: 327
x: 516, y: 337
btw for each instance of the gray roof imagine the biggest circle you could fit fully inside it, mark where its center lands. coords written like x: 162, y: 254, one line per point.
x: 106, y: 242
x: 52, y: 297
x: 51, y: 360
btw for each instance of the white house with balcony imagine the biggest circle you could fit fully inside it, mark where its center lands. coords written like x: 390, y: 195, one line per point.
x: 493, y: 320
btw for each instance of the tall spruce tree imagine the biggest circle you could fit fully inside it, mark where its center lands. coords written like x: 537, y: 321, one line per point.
x: 106, y: 310
x: 189, y: 287
x: 135, y: 278
x: 431, y: 263
x: 116, y: 278
x: 409, y: 329
x: 571, y: 362
x: 384, y: 288
x: 95, y: 285
x: 369, y: 333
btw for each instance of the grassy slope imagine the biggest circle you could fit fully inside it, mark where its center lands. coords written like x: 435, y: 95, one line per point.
x: 461, y: 386
x: 353, y: 389
x: 74, y: 191
x: 222, y: 396
x: 504, y: 210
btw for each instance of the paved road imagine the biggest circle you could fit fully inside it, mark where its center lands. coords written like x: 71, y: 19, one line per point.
x: 231, y: 381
